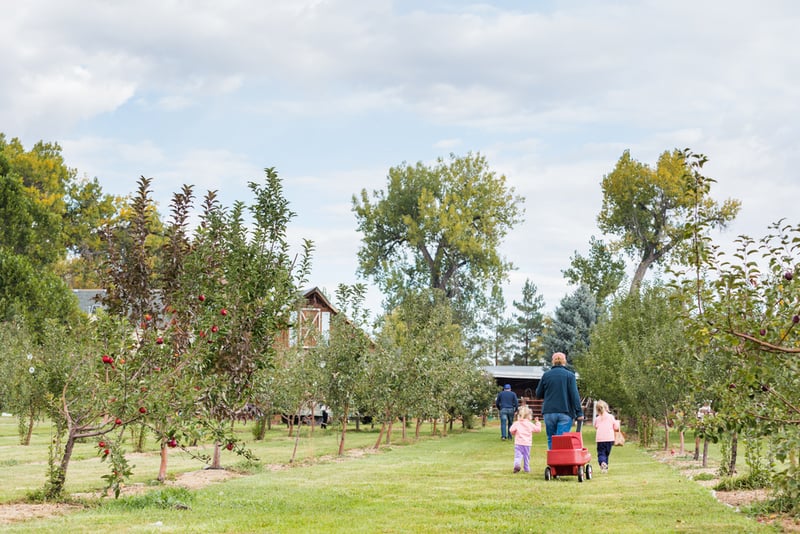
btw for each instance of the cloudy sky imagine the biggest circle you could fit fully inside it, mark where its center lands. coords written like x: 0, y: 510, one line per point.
x: 335, y: 92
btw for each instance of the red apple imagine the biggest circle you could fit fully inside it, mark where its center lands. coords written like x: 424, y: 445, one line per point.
x: 229, y: 446
x: 118, y: 421
x: 172, y: 443
x: 148, y: 317
x: 202, y: 333
x: 160, y: 340
x: 796, y: 319
x: 763, y: 331
x: 102, y: 444
x: 788, y: 275
x: 106, y: 452
x: 223, y: 312
x: 107, y: 359
x: 201, y: 297
x: 215, y: 329
x: 142, y: 409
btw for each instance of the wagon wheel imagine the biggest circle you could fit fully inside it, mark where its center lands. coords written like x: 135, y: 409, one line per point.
x: 588, y: 472
x: 580, y: 474
x: 548, y: 474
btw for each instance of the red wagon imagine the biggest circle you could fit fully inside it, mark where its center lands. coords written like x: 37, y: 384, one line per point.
x: 568, y: 457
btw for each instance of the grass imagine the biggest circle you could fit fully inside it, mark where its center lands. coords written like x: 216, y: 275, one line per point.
x: 461, y: 483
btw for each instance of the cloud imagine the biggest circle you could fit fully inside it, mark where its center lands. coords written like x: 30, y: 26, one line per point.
x: 336, y: 92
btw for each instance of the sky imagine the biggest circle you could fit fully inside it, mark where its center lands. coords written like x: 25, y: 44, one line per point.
x: 332, y: 94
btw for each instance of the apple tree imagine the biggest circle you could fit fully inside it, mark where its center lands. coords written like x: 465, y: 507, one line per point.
x: 344, y: 354
x: 245, y: 280
x: 748, y: 303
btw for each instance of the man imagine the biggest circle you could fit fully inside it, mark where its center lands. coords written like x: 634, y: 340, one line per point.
x: 559, y: 389
x: 507, y: 404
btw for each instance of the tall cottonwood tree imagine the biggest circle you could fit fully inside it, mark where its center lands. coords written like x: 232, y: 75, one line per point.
x: 438, y: 227
x: 45, y: 214
x: 649, y: 209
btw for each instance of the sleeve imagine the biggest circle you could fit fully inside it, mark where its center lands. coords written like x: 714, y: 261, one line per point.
x: 537, y: 426
x: 539, y: 389
x: 576, y: 397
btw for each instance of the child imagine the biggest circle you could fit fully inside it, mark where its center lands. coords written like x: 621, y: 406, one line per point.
x: 523, y: 430
x: 606, y: 424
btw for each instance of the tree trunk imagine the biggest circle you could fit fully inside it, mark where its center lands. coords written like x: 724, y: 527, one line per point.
x: 417, y: 429
x: 705, y: 452
x: 345, y: 411
x: 264, y: 422
x: 734, y: 452
x: 696, y: 447
x: 215, y: 459
x: 666, y: 433
x: 162, y: 469
x: 641, y: 270
x: 403, y: 431
x: 26, y: 440
x: 389, y: 430
x: 294, y: 450
x: 380, y: 436
x: 141, y: 438
x: 58, y: 480
x: 682, y: 449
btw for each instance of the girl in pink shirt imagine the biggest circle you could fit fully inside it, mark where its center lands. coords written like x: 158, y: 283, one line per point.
x: 523, y: 430
x: 606, y: 424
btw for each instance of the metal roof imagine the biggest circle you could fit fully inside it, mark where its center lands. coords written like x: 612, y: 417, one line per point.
x: 525, y: 372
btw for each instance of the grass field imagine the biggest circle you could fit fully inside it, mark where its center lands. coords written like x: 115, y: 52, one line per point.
x: 460, y: 483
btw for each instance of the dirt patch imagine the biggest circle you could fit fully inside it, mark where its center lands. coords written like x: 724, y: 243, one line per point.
x: 733, y: 498
x: 12, y: 513
x: 17, y: 512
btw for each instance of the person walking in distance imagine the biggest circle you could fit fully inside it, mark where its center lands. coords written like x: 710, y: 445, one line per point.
x: 523, y: 430
x: 561, y: 402
x: 507, y: 404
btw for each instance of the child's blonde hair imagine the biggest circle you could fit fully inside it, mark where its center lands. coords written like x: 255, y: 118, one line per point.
x: 602, y: 407
x: 524, y: 412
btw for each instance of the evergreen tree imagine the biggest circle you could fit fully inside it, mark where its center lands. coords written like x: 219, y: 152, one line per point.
x: 528, y: 325
x: 572, y: 324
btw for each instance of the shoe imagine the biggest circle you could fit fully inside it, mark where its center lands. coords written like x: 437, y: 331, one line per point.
x: 503, y: 439
x: 604, y: 467
x: 516, y: 469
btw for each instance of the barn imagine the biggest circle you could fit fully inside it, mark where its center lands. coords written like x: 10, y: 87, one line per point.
x: 524, y: 379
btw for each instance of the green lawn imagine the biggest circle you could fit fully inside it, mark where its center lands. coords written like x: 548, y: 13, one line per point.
x: 461, y: 483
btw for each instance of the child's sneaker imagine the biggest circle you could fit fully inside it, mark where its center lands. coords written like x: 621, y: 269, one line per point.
x: 516, y: 469
x: 604, y: 467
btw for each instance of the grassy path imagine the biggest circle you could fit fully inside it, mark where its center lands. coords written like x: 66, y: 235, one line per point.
x: 462, y: 483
